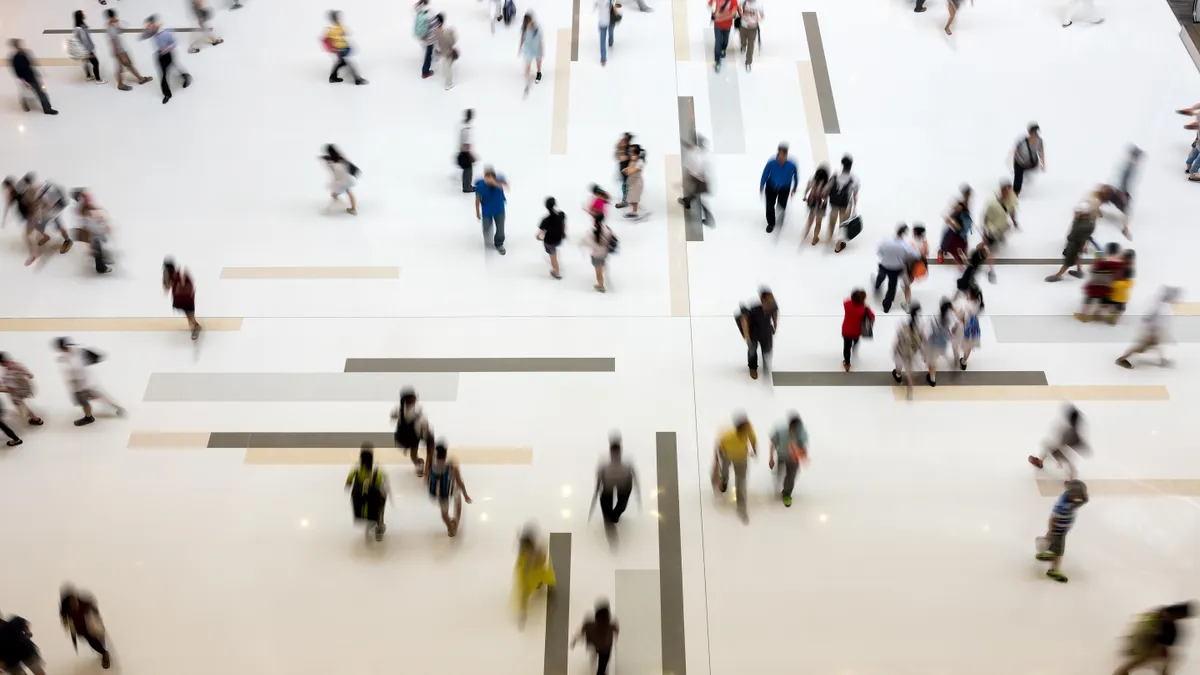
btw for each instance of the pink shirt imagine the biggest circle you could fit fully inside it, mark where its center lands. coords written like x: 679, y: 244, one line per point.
x: 598, y: 206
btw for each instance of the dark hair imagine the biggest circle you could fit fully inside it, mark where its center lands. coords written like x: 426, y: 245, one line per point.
x: 847, y: 162
x: 110, y: 13
x: 332, y: 154
x: 440, y: 450
x: 1130, y: 259
x: 15, y: 43
x: 79, y: 23
x: 740, y: 420
x: 858, y: 296
x: 408, y: 396
x: 153, y: 18
x: 469, y: 114
x: 1181, y: 610
x: 603, y: 615
x: 62, y: 343
x: 763, y: 292
x: 550, y: 204
x: 366, y: 456
x: 966, y: 190
x: 821, y: 175
x: 614, y: 445
x: 918, y: 230
x: 1112, y: 248
x: 944, y: 309
x: 794, y: 421
x: 914, y: 312
x: 168, y: 264
x: 1073, y: 416
x: 3, y: 356
x: 335, y: 16
x: 1034, y: 128
x: 901, y: 230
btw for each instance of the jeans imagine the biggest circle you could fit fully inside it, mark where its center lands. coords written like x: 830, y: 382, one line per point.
x: 606, y: 41
x: 36, y: 86
x: 752, y: 354
x: 496, y: 222
x: 775, y: 196
x: 848, y: 345
x: 789, y: 468
x: 892, y: 277
x: 427, y: 66
x: 720, y: 44
x: 1193, y: 158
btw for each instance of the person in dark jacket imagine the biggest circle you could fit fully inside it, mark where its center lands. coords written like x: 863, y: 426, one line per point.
x: 22, y: 65
x: 1153, y: 642
x: 758, y: 324
x: 81, y: 618
x: 17, y: 649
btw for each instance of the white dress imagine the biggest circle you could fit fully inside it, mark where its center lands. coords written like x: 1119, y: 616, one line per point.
x: 342, y: 180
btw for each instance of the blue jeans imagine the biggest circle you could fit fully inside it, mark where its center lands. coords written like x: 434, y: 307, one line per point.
x: 1193, y: 158
x: 496, y: 222
x: 720, y: 44
x: 427, y: 67
x: 606, y: 40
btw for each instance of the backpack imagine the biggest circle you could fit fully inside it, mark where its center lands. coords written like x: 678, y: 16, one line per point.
x: 612, y: 243
x: 92, y: 357
x: 1141, y: 640
x: 421, y: 24
x: 75, y: 48
x: 510, y: 12
x: 839, y: 196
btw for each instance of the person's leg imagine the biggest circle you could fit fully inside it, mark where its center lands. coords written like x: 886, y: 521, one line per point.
x: 164, y: 63
x: 554, y: 264
x: 723, y: 471
x: 766, y: 346
x: 191, y: 319
x: 468, y: 179
x: 950, y: 21
x: 748, y: 38
x: 498, y: 241
x: 95, y: 62
x: 97, y: 645
x: 42, y: 98
x: 782, y: 199
x: 606, y: 505
x: 718, y: 50
x: 444, y: 504
x: 1018, y: 178
x: 13, y: 438
x: 488, y: 225
x: 1192, y: 156
x: 448, y: 65
x: 790, y: 469
x: 603, y: 657
x: 1194, y: 166
x: 622, y: 502
x: 612, y: 29
x: 337, y: 67
x: 847, y: 346
x: 603, y: 45
x: 752, y: 356
x: 427, y: 64
x: 739, y: 484
x: 599, y: 276
x: 353, y: 210
x: 771, y: 197
x: 1133, y: 663
x: 880, y: 276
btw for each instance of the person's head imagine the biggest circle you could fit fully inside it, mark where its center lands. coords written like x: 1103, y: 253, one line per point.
x: 767, y: 298
x: 603, y: 614
x: 408, y: 397
x: 111, y: 15
x: 1034, y: 130
x: 468, y: 114
x: 69, y: 596
x: 847, y: 162
x: 1170, y: 293
x: 1073, y: 416
x: 1076, y: 492
x: 741, y: 423
x: 152, y: 21
x: 1006, y: 189
x: 10, y: 186
x: 614, y: 447
x: 794, y: 422
x: 527, y: 21
x: 439, y: 19
x: 626, y: 139
x: 489, y: 175
x: 440, y: 452
x: 332, y: 154
x: 29, y: 179
x: 965, y: 191
x: 168, y: 267
x: 1135, y: 154
x: 858, y: 296
x: 80, y: 19
x: 918, y: 232
x: 62, y: 344
x: 901, y: 230
x: 16, y: 44
x: 366, y: 456
x: 821, y: 174
x: 528, y: 539
x: 335, y: 17
x: 5, y: 358
x: 1112, y: 249
x: 600, y: 192
x: 1178, y: 611
x: 914, y: 314
x: 551, y: 203
x: 635, y: 150
x: 781, y: 153
x: 945, y: 309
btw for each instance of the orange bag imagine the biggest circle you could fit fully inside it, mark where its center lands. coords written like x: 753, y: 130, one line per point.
x: 919, y: 270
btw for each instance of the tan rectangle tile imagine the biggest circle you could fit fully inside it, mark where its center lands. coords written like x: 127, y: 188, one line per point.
x: 812, y: 113
x: 1051, y: 393
x: 1186, y: 308
x: 677, y: 261
x: 168, y: 440
x: 562, y: 93
x: 114, y: 324
x: 348, y: 456
x: 1128, y: 487
x: 683, y: 46
x: 310, y: 272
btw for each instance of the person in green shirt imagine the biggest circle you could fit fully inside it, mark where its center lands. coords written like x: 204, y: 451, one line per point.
x: 369, y: 491
x: 789, y: 447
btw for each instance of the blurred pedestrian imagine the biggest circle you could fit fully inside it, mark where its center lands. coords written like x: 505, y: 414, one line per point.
x: 81, y: 619
x: 178, y: 282
x: 816, y: 197
x: 17, y: 382
x: 910, y: 341
x: 1083, y: 224
x: 600, y: 632
x: 622, y: 156
x: 94, y: 230
x: 446, y: 43
x: 944, y: 332
x: 413, y: 429
x: 552, y: 232
x: 204, y: 20
x: 343, y: 174
x: 843, y: 194
x: 489, y: 207
x: 1028, y: 155
x: 895, y: 257
x: 953, y: 6
x: 601, y: 243
x: 369, y: 492
x: 120, y: 54
x: 735, y: 446
x: 337, y: 44
x: 1154, y: 638
x: 17, y: 649
x: 779, y: 181
x: 789, y: 446
x: 446, y: 486
x: 616, y: 480
x: 1067, y: 439
x: 757, y: 324
x: 533, y: 570
x: 81, y: 47
x: 75, y: 361
x: 695, y: 178
x: 423, y: 27
x: 1084, y: 10
x: 164, y: 45
x: 1053, y: 544
x: 635, y: 182
x: 1156, y: 332
x: 22, y: 66
x: 858, y: 321
x: 530, y: 48
x: 466, y: 155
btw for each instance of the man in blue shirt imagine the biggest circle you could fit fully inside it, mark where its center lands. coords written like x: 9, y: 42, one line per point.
x: 1061, y: 520
x: 778, y: 176
x: 489, y: 206
x: 164, y: 46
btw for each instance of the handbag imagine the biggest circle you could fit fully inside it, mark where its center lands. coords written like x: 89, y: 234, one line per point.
x: 327, y: 44
x: 75, y: 48
x: 919, y: 270
x: 867, y: 327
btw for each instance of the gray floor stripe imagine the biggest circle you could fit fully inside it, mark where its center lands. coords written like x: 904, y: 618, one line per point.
x: 725, y: 101
x: 127, y: 31
x: 1066, y: 330
x: 497, y: 365
x: 298, y: 387
x: 558, y: 607
x: 575, y: 30
x: 640, y: 615
x: 670, y: 556
x: 952, y: 378
x: 1015, y: 261
x: 311, y: 439
x: 693, y: 230
x: 816, y: 55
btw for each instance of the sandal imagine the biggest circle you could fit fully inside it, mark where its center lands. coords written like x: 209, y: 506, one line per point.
x: 36, y: 421
x: 13, y: 444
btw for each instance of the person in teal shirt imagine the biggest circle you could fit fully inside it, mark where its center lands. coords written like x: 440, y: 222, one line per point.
x: 789, y: 447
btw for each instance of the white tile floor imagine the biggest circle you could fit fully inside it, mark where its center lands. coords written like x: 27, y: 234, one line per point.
x: 909, y: 549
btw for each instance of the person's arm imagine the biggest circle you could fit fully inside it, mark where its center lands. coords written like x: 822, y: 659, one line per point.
x: 762, y: 183
x: 808, y: 189
x: 350, y: 478
x: 461, y: 485
x: 795, y: 179
x: 753, y: 443
x: 771, y: 457
x: 478, y: 207
x: 637, y: 486
x: 596, y: 493
x: 1042, y: 155
x: 774, y: 320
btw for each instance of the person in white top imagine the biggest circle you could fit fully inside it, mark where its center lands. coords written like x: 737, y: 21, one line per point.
x: 600, y: 243
x: 752, y: 14
x: 695, y: 178
x: 93, y: 229
x: 1155, y: 329
x: 1084, y: 10
x: 606, y: 10
x: 75, y: 361
x: 944, y: 331
x: 342, y: 172
x: 466, y: 156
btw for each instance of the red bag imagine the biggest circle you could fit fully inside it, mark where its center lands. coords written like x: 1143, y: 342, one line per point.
x: 327, y: 43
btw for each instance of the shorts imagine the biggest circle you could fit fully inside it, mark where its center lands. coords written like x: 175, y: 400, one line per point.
x: 84, y: 396
x: 1058, y: 545
x: 597, y: 262
x: 1072, y: 252
x: 187, y: 306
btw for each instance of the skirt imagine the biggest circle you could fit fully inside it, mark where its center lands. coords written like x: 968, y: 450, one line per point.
x: 634, y: 186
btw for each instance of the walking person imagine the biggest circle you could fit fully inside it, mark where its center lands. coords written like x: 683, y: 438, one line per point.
x: 1105, y: 270
x: 164, y: 46
x: 17, y: 382
x: 369, y: 492
x: 999, y: 218
x: 735, y: 446
x: 552, y: 232
x: 957, y: 234
x: 1028, y: 155
x: 178, y: 282
x: 695, y: 178
x: 980, y: 255
x: 1083, y: 225
x: 81, y: 47
x: 445, y: 485
x: 412, y: 429
x: 895, y: 256
x: 1154, y: 637
x: 13, y: 439
x: 944, y: 332
x: 910, y: 341
x: 970, y: 306
x: 489, y: 206
x: 816, y: 197
x: 1155, y: 333
x: 954, y: 6
x: 75, y: 361
x: 1068, y: 438
x: 49, y: 202
x: 616, y: 480
x: 533, y: 570
x: 424, y: 25
x: 600, y: 632
x: 466, y: 154
x: 789, y: 447
x: 342, y: 178
x: 918, y: 268
x: 18, y: 652
x: 757, y: 324
x: 1192, y: 163
x: 94, y: 230
x: 857, y: 322
x: 446, y: 43
x: 779, y: 181
x: 204, y: 20
x: 751, y: 14
x: 81, y: 619
x: 843, y: 196
x: 337, y: 44
x: 1053, y: 545
x: 530, y: 49
x: 723, y: 14
x: 121, y: 55
x: 1082, y: 10
x: 22, y: 66
x: 601, y: 243
x: 607, y: 16
x: 634, y: 182
x: 621, y: 154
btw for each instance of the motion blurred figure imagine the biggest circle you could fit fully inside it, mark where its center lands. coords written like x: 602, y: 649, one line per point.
x: 1154, y: 638
x: 178, y: 283
x: 789, y: 444
x: 412, y: 428
x: 369, y: 492
x: 446, y: 485
x: 533, y: 570
x: 22, y: 66
x: 1155, y: 330
x: 599, y: 632
x: 17, y: 650
x: 1068, y: 438
x: 1053, y: 544
x: 81, y: 619
x: 615, y: 481
x: 735, y: 446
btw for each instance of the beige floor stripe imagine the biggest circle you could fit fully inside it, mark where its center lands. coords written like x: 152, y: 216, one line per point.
x: 168, y: 440
x: 1118, y: 487
x: 812, y: 113
x: 562, y: 93
x: 310, y: 272
x: 677, y: 259
x: 921, y: 392
x: 683, y: 44
x: 348, y: 456
x: 1187, y: 308
x: 112, y: 324
x: 49, y: 63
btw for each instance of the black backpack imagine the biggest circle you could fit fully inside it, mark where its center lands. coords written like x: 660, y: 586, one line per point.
x: 92, y: 357
x: 839, y: 196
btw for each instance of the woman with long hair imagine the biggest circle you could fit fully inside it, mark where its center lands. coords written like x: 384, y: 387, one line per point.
x: 634, y: 182
x: 816, y: 197
x: 81, y: 35
x: 342, y: 178
x: 943, y: 332
x: 969, y: 309
x: 530, y: 48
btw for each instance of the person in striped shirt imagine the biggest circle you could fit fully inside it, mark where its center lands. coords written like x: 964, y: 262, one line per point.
x: 1062, y: 517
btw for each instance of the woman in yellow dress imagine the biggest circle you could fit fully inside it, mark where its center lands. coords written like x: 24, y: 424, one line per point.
x: 533, y: 570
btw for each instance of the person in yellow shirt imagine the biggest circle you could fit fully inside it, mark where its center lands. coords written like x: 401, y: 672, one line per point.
x: 1118, y: 294
x: 336, y: 43
x: 735, y: 446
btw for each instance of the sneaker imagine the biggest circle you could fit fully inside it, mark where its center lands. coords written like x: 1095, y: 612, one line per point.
x: 787, y: 500
x: 632, y: 216
x: 962, y: 364
x: 1076, y: 273
x: 353, y: 212
x: 196, y: 333
x: 1057, y: 576
x: 106, y: 662
x: 500, y: 250
x: 1067, y: 24
x: 84, y: 421
x: 361, y: 81
x: 187, y: 80
x: 600, y: 289
x: 426, y: 76
x: 896, y: 375
x: 193, y: 50
x: 218, y: 41
x: 51, y: 111
x: 556, y: 275
x: 36, y: 421
x: 620, y: 205
x: 724, y: 486
x: 14, y: 443
x: 166, y: 99
x: 1124, y: 363
x: 1035, y: 461
x: 538, y: 77
x: 124, y: 87
x: 144, y: 80
x: 335, y: 78
x: 929, y: 378
x: 1045, y: 556
x: 99, y: 81
x: 846, y: 366
x: 66, y: 246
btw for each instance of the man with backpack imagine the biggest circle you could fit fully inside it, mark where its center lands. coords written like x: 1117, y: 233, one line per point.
x: 843, y: 195
x: 1154, y: 637
x: 1029, y: 155
x: 76, y: 360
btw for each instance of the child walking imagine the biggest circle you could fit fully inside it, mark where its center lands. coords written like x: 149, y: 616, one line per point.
x: 342, y: 178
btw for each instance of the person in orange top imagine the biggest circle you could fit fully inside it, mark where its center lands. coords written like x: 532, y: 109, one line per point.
x: 183, y: 293
x: 724, y: 12
x: 856, y: 311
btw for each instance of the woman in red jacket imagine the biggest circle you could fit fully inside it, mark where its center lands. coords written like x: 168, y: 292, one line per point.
x: 852, y: 324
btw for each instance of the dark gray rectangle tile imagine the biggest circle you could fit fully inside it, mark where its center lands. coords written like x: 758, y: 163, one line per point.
x: 558, y: 607
x: 318, y: 439
x: 97, y: 31
x: 670, y: 556
x: 952, y: 378
x: 491, y: 365
x: 816, y: 56
x: 297, y: 387
x: 637, y: 599
x: 575, y: 31
x: 692, y: 228
x: 222, y: 439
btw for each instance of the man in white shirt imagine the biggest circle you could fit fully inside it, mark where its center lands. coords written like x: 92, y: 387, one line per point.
x: 695, y: 178
x: 1155, y: 330
x: 751, y: 13
x: 76, y: 360
x: 604, y: 12
x: 895, y: 255
x: 466, y: 157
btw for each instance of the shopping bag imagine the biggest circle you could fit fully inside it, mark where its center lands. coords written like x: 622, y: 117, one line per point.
x: 1042, y: 544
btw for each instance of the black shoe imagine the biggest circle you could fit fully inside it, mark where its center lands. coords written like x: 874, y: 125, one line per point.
x: 468, y: 190
x: 896, y: 375
x: 14, y: 443
x: 360, y: 81
x: 105, y: 662
x: 724, y: 487
x: 770, y: 229
x: 187, y: 80
x: 500, y: 250
x: 84, y: 421
x: 932, y: 382
x: 165, y: 99
x: 962, y: 364
x: 335, y: 78
x: 539, y: 77
x: 51, y: 111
